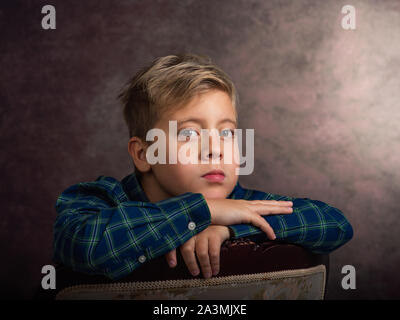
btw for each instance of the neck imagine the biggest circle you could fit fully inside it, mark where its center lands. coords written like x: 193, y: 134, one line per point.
x: 152, y: 188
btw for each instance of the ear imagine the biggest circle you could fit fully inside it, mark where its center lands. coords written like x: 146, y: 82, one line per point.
x: 137, y: 149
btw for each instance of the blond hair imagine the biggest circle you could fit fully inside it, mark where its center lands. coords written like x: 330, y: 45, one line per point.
x: 168, y: 83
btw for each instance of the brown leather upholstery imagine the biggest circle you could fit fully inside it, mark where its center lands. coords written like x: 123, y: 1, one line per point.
x: 241, y: 256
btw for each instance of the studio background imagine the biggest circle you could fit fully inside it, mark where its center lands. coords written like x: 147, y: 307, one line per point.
x: 324, y: 103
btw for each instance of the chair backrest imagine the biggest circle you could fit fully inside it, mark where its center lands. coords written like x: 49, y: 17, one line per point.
x: 248, y: 270
x: 304, y: 284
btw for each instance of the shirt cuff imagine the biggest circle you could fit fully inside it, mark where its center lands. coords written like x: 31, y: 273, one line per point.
x: 242, y: 230
x: 189, y: 210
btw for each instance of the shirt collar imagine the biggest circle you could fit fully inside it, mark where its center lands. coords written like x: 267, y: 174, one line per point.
x: 133, y: 188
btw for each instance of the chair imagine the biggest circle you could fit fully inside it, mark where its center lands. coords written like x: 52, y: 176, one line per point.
x: 248, y: 270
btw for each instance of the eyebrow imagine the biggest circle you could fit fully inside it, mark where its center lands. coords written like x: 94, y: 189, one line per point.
x: 200, y: 121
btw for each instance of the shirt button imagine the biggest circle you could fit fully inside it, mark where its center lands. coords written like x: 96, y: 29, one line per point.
x: 191, y: 225
x: 142, y: 259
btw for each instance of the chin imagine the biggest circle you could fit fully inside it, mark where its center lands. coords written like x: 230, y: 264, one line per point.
x: 214, y: 195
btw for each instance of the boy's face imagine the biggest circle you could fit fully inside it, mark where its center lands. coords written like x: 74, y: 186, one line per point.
x: 212, y: 110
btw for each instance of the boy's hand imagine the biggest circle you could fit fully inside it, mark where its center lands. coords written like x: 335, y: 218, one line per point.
x: 207, y: 245
x: 231, y: 211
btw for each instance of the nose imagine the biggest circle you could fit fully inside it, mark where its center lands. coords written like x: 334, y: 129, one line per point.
x: 213, y: 150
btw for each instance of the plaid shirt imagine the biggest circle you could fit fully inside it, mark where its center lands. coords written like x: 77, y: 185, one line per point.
x: 110, y: 227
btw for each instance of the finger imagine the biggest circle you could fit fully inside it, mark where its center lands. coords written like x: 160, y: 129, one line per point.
x: 171, y: 258
x: 272, y: 202
x: 202, y: 256
x: 266, y: 210
x: 214, y: 249
x: 260, y: 222
x: 187, y: 251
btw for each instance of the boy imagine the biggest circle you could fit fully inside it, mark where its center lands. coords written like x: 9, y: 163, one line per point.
x: 111, y: 228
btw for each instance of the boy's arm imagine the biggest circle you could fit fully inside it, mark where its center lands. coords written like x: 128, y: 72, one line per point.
x: 99, y: 231
x: 313, y: 224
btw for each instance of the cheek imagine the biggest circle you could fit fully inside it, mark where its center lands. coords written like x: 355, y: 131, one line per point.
x: 232, y: 175
x: 231, y: 169
x: 231, y: 151
x: 182, y: 170
x: 179, y: 175
x: 188, y: 152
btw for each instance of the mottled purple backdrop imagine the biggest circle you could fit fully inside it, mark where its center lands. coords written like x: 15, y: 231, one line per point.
x: 324, y: 103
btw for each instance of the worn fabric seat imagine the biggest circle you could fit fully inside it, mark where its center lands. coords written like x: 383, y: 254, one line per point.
x: 248, y: 270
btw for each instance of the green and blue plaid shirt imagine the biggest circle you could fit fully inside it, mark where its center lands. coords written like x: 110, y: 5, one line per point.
x: 110, y: 227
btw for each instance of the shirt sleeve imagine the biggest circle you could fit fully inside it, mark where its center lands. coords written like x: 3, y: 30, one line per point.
x: 313, y: 224
x: 98, y: 231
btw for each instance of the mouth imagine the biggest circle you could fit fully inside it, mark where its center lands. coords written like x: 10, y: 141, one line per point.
x: 214, y: 176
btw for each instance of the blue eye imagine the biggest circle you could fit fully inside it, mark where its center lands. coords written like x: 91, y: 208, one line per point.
x: 188, y: 132
x: 227, y: 133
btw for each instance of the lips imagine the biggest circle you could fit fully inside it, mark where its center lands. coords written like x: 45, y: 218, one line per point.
x: 214, y: 176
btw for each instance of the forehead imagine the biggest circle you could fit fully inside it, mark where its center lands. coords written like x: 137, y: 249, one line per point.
x: 209, y: 106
